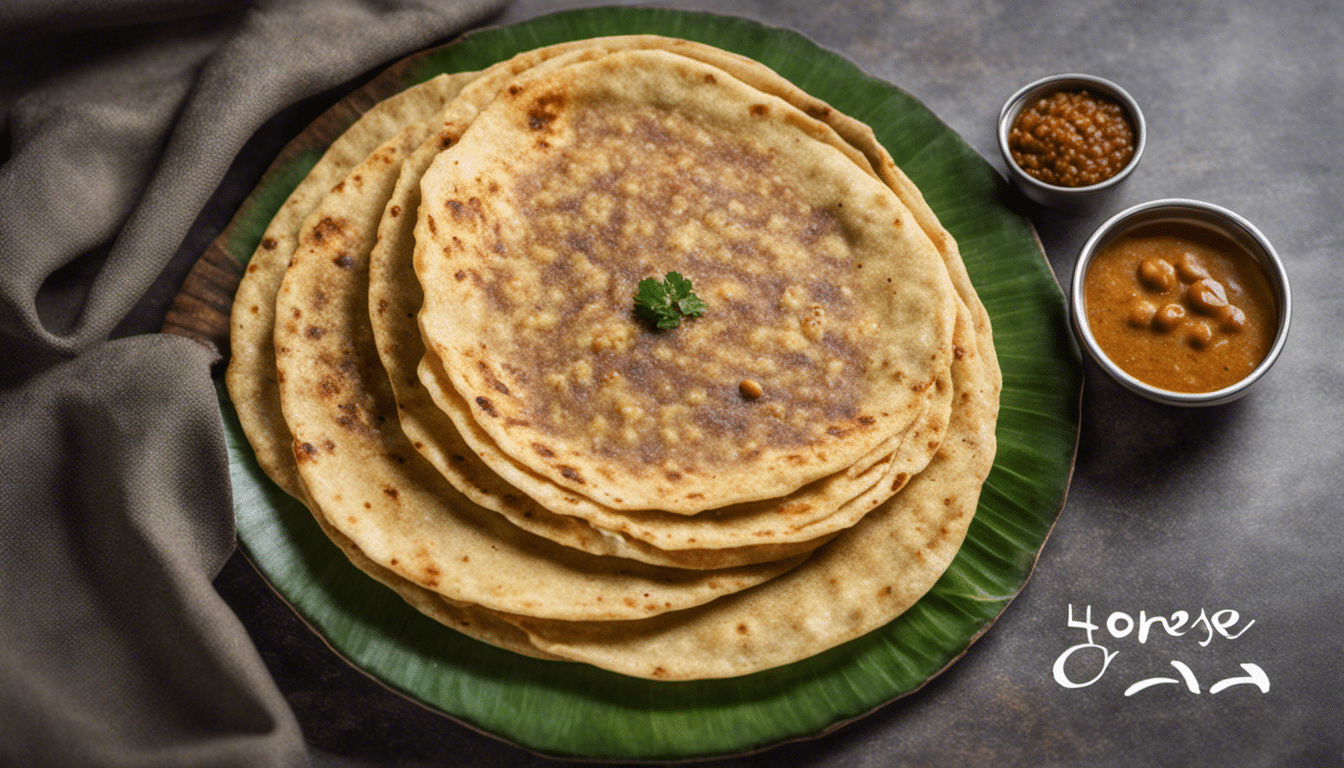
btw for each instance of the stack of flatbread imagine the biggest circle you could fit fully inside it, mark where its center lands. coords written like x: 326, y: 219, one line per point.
x: 436, y: 348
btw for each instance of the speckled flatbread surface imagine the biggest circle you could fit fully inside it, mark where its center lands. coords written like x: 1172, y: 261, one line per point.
x: 570, y: 189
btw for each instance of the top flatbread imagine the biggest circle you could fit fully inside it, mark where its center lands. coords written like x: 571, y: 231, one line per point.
x: 535, y: 229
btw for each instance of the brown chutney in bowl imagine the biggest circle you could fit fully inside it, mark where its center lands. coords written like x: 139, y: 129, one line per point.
x: 1073, y: 138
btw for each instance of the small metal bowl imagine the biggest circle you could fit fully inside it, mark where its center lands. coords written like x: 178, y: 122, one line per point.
x: 1052, y: 195
x: 1185, y: 213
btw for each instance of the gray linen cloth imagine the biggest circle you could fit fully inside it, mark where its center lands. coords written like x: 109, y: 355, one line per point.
x: 115, y: 511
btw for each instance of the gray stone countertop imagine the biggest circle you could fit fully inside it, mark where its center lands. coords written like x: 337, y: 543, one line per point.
x: 1237, y: 508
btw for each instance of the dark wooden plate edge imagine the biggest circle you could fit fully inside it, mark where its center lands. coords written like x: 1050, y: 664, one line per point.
x: 202, y: 306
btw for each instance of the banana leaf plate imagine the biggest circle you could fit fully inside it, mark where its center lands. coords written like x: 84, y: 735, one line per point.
x: 573, y: 710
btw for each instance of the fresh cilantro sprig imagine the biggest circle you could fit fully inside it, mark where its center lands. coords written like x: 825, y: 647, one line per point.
x: 663, y: 302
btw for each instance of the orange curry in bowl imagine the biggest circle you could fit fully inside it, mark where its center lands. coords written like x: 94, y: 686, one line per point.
x: 1180, y: 307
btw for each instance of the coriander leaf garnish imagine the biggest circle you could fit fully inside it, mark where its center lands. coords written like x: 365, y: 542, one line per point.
x: 663, y: 302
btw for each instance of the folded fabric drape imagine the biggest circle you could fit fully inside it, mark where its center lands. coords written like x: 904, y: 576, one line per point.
x: 115, y: 509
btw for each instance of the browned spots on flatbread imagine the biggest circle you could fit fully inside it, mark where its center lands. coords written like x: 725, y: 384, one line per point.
x: 343, y: 260
x: 447, y: 140
x: 958, y: 352
x: 351, y: 420
x: 391, y: 492
x: 462, y: 210
x: 659, y: 672
x: 340, y: 186
x: 269, y: 243
x: 545, y: 110
x: 487, y: 406
x: 394, y: 211
x: 460, y: 275
x: 498, y: 385
x: 429, y: 222
x: 795, y: 509
x: 571, y: 473
x: 899, y: 481
x: 818, y: 112
x: 709, y: 78
x: 759, y: 110
x: 315, y: 332
x: 673, y: 476
x: 327, y: 227
x: 542, y: 450
x: 304, y: 451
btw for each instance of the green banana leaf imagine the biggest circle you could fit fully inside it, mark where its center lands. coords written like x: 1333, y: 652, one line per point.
x: 573, y: 710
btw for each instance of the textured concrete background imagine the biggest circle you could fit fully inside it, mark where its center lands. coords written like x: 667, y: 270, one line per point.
x: 1238, y: 507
